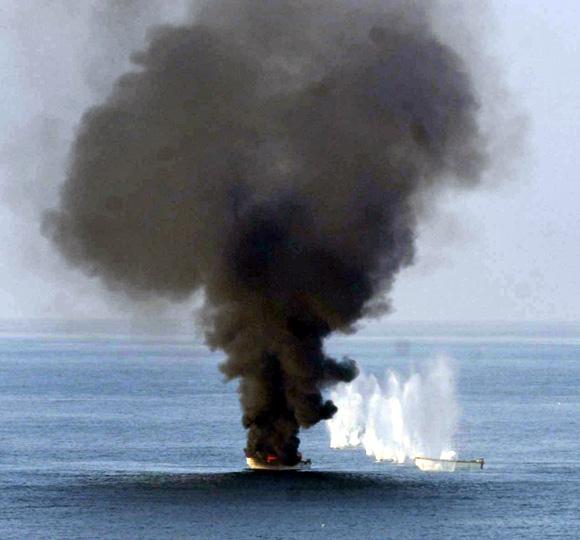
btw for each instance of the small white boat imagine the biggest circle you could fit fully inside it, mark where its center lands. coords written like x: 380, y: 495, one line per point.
x: 448, y: 465
x: 259, y: 465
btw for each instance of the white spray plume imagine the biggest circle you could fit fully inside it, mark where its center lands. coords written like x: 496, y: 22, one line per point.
x: 397, y: 419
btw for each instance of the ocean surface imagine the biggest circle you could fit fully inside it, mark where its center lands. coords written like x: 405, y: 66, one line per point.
x: 128, y: 431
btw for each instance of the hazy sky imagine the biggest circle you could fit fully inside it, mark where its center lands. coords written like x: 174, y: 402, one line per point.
x: 508, y: 252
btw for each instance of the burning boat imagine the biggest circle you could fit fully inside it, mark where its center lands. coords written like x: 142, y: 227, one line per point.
x: 272, y: 462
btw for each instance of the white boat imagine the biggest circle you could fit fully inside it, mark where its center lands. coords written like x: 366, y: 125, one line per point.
x: 448, y: 465
x: 256, y: 464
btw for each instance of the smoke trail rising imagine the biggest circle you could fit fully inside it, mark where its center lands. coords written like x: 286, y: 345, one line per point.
x: 271, y: 155
x: 397, y: 419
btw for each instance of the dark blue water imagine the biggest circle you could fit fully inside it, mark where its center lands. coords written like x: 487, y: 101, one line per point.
x: 110, y: 430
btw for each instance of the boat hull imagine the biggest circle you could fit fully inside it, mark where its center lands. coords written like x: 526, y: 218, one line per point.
x: 448, y: 465
x: 256, y: 465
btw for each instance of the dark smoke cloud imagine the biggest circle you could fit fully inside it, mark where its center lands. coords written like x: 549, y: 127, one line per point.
x: 272, y: 155
x: 59, y: 57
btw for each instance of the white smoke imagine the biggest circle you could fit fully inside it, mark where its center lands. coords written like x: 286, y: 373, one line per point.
x: 397, y: 419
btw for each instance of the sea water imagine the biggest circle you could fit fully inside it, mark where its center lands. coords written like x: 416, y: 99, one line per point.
x: 125, y: 430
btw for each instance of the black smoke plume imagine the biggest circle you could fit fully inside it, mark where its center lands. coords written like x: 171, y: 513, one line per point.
x: 272, y: 154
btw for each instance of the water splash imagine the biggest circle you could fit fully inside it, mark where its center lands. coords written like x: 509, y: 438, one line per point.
x: 396, y: 419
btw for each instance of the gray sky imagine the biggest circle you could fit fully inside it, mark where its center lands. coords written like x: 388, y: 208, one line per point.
x: 511, y: 252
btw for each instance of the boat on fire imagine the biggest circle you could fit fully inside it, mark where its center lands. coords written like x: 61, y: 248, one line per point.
x: 273, y: 463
